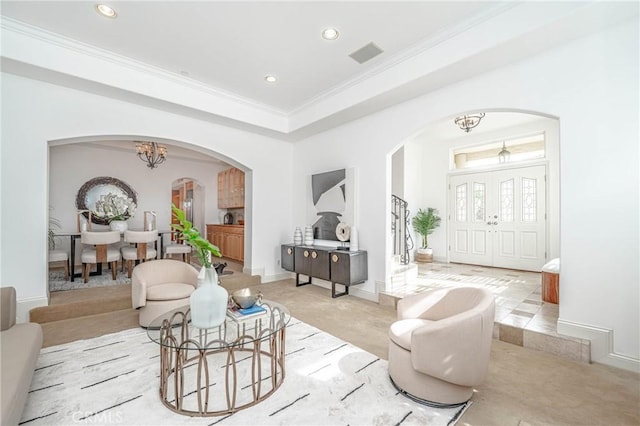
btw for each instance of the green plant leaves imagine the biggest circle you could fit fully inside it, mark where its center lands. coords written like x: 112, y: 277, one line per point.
x: 203, y: 248
x: 425, y: 222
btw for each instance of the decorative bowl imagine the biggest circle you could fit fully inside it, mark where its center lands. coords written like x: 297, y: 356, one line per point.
x: 246, y: 297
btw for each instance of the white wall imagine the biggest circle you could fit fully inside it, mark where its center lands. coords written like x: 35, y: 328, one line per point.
x: 34, y: 113
x: 397, y: 173
x: 591, y: 84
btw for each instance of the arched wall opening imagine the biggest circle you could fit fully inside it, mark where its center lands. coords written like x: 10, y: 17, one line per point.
x: 73, y: 161
x: 421, y: 166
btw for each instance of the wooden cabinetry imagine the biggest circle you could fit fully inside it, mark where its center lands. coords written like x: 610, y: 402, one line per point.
x: 326, y: 263
x: 231, y: 189
x: 229, y: 239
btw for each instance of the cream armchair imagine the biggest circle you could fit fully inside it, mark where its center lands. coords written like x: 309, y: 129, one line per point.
x: 440, y: 346
x: 158, y: 286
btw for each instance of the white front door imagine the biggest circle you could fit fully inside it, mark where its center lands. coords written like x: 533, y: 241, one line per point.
x: 498, y: 218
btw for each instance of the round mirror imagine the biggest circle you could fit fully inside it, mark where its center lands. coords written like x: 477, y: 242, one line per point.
x: 97, y: 188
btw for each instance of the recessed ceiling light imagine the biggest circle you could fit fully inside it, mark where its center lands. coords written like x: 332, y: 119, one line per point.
x: 330, y: 34
x: 105, y: 10
x: 270, y: 78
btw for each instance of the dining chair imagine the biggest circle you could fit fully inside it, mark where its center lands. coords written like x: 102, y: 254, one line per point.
x: 100, y: 252
x: 140, y: 250
x: 179, y: 247
x: 59, y: 259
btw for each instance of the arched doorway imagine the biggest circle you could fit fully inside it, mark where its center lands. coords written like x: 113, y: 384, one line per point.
x: 422, y: 166
x: 188, y: 194
x: 116, y: 156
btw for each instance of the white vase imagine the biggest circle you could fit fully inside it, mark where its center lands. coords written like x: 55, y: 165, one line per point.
x: 353, y: 240
x: 297, y: 237
x: 308, y: 235
x: 118, y: 225
x: 209, y: 301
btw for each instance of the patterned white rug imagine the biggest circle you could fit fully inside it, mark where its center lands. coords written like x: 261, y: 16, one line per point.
x: 114, y: 379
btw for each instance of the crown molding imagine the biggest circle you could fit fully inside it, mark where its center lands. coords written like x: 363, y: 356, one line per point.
x: 409, y: 53
x: 45, y: 36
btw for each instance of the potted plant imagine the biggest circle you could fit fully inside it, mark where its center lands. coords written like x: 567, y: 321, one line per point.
x: 208, y: 302
x: 115, y: 209
x: 424, y: 223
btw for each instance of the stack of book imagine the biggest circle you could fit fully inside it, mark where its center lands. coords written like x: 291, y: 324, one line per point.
x: 239, y: 314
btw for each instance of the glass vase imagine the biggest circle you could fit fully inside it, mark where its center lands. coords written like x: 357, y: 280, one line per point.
x: 209, y: 301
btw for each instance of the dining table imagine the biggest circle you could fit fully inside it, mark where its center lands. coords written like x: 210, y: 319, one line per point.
x: 74, y: 236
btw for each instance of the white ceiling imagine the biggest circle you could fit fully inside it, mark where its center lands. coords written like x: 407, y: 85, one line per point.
x: 208, y: 59
x: 233, y: 45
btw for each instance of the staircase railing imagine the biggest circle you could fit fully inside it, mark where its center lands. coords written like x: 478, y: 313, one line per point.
x: 402, y: 241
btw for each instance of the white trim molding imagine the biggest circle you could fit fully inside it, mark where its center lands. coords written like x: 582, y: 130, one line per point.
x: 24, y: 306
x: 601, y: 344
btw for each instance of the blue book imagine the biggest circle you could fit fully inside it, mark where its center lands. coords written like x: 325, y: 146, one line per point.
x: 252, y: 310
x: 239, y: 314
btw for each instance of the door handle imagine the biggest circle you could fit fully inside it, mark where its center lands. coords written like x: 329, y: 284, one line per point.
x: 489, y: 223
x: 495, y: 223
x: 314, y: 254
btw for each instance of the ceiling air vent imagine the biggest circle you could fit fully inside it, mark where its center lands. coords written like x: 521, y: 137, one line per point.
x: 365, y: 53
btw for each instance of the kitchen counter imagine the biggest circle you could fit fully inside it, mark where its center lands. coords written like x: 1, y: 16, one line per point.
x: 229, y: 239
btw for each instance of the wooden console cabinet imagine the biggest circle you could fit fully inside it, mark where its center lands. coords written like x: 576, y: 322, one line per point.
x: 326, y: 263
x: 229, y: 239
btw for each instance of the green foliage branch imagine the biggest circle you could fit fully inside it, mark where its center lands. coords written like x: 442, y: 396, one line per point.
x: 203, y: 248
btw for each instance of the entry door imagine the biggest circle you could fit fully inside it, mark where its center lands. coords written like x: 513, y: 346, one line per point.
x: 498, y: 218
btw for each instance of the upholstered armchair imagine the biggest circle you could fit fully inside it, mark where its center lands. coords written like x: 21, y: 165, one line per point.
x: 141, y: 251
x: 101, y: 252
x: 159, y: 286
x: 440, y: 346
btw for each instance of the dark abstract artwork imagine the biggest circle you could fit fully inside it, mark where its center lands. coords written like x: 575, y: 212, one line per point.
x: 333, y: 199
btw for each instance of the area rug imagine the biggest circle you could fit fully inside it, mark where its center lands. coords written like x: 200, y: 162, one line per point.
x: 58, y: 283
x: 114, y: 379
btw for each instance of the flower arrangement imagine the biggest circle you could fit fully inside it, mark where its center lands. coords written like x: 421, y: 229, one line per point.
x: 114, y: 207
x: 203, y: 248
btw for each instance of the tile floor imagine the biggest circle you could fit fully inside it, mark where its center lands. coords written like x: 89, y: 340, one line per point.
x: 522, y: 318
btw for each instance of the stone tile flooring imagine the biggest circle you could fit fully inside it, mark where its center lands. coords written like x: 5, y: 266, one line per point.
x: 522, y: 317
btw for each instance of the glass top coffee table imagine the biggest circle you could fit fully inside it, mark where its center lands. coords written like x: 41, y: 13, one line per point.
x: 220, y: 370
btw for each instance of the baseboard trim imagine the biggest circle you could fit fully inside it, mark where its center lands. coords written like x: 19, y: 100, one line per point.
x: 353, y: 290
x: 601, y: 344
x: 253, y: 271
x: 25, y: 305
x: 277, y: 277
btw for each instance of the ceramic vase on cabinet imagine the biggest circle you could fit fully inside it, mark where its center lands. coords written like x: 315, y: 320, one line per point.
x: 118, y: 225
x: 297, y: 236
x: 308, y: 235
x: 209, y: 301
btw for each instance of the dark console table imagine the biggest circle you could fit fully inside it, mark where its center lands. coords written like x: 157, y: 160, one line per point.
x: 326, y: 263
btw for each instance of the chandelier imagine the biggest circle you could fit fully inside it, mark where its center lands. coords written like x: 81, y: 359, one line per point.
x: 152, y: 153
x: 504, y: 154
x: 468, y: 122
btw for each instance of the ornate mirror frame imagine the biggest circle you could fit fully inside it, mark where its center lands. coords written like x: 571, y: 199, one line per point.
x: 91, y: 191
